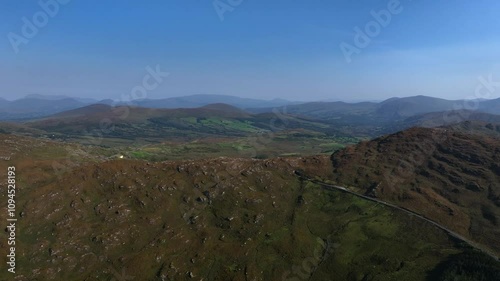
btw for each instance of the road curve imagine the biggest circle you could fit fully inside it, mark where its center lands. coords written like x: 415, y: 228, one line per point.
x: 450, y: 232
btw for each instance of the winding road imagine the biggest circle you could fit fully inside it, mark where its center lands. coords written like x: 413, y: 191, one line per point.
x: 450, y: 232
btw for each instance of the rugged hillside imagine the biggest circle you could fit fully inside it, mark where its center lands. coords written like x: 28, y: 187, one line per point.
x: 479, y: 128
x: 221, y: 219
x: 449, y: 174
x: 215, y: 219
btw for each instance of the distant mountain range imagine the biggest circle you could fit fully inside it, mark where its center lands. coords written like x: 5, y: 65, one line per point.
x: 388, y: 110
x: 202, y: 100
x: 36, y: 106
x: 156, y: 124
x: 391, y: 110
x: 252, y: 194
x: 27, y: 108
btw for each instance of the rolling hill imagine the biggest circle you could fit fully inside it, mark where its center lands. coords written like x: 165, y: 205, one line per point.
x: 397, y: 108
x: 105, y: 123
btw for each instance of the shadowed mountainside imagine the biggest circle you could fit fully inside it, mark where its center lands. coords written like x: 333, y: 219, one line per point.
x: 450, y: 175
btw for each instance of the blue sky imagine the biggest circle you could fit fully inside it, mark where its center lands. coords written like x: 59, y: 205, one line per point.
x: 261, y: 49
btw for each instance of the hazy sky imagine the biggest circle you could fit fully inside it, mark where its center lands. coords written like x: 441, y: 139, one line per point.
x: 257, y: 48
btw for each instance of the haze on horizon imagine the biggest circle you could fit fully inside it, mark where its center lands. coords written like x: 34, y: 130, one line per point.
x: 288, y: 49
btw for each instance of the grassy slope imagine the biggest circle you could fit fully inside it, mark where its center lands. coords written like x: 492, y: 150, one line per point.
x: 285, y: 143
